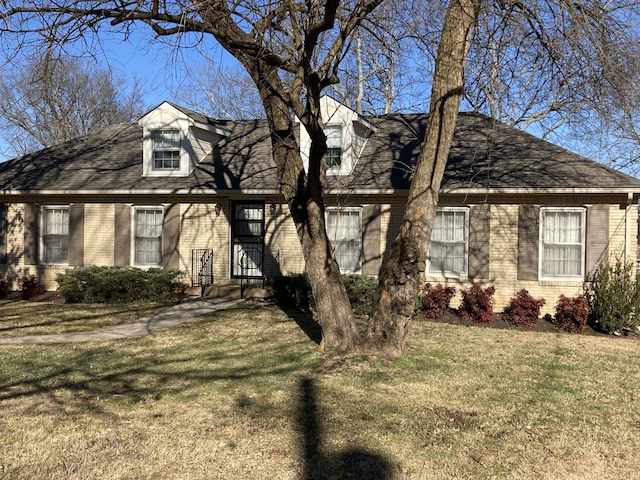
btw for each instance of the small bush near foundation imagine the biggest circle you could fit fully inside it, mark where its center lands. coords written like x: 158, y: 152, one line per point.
x: 523, y: 310
x: 29, y: 287
x: 571, y: 313
x: 436, y: 300
x: 293, y: 291
x: 120, y: 285
x: 4, y: 289
x: 361, y: 290
x: 477, y: 304
x: 613, y: 293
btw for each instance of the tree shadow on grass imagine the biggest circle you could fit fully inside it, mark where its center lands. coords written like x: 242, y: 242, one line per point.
x: 354, y: 463
x: 307, y: 324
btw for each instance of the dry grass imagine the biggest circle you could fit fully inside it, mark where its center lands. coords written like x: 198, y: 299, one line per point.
x: 239, y: 395
x: 52, y: 316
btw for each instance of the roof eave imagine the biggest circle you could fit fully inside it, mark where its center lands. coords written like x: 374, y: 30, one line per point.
x: 634, y: 191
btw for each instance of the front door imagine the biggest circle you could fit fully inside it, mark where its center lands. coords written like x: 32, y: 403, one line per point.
x: 247, y: 239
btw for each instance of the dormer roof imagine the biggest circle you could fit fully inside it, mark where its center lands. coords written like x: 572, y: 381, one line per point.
x: 195, y: 119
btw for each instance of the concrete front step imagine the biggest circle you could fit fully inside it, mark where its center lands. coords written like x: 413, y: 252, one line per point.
x: 218, y: 290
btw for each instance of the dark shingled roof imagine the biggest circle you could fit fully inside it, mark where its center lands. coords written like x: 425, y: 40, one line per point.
x: 485, y: 155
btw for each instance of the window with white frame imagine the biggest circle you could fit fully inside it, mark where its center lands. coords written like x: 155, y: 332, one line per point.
x: 448, y: 248
x: 147, y: 248
x: 55, y: 234
x: 334, y: 145
x: 166, y: 149
x: 562, y: 243
x: 344, y: 229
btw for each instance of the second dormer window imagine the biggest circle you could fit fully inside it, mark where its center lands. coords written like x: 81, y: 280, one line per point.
x: 166, y: 149
x: 334, y: 145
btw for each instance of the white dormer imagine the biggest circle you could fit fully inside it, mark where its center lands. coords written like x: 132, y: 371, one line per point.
x: 175, y: 142
x: 346, y: 132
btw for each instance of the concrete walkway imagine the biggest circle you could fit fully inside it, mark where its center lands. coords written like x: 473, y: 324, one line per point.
x: 146, y: 325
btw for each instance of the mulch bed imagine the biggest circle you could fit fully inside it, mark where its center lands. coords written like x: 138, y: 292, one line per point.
x: 542, y: 325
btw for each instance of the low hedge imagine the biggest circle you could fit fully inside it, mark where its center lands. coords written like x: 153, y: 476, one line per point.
x: 120, y: 285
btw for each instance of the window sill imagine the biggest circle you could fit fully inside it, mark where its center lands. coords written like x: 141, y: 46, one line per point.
x: 165, y: 173
x: 447, y: 276
x: 569, y: 282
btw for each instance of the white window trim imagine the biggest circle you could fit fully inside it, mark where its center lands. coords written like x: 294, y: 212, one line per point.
x: 335, y: 170
x: 461, y: 275
x: 583, y: 239
x: 357, y: 270
x: 154, y: 150
x: 133, y: 236
x: 147, y: 151
x: 41, y: 233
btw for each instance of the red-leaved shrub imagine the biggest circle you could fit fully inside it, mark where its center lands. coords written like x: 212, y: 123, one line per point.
x: 477, y: 304
x: 572, y: 313
x: 523, y: 310
x: 436, y: 300
x: 29, y: 287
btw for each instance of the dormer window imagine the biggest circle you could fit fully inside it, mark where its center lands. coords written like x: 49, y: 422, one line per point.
x: 334, y: 145
x: 176, y: 140
x: 166, y: 149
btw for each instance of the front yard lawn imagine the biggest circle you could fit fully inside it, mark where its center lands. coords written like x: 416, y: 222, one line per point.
x: 49, y: 315
x: 242, y: 394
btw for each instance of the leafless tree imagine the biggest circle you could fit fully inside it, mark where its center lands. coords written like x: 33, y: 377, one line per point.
x: 553, y: 65
x: 52, y: 99
x: 221, y: 92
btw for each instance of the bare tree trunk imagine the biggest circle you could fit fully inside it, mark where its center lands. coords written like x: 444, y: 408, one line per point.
x: 403, y: 272
x: 304, y: 195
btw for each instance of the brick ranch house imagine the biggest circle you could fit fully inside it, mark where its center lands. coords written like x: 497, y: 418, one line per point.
x: 181, y: 190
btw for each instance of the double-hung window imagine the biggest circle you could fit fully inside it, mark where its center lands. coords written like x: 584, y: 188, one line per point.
x: 334, y: 146
x: 344, y: 229
x: 448, y: 249
x: 55, y: 234
x: 562, y: 243
x: 148, y: 236
x: 166, y: 149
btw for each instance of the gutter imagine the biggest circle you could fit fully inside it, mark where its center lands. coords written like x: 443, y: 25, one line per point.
x: 630, y: 193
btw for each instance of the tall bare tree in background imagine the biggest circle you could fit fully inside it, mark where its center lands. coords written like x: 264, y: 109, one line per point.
x: 561, y: 70
x: 53, y: 98
x: 226, y: 92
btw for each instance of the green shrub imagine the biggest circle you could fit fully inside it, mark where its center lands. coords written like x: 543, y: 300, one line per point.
x: 293, y: 291
x: 477, y: 304
x: 523, y: 310
x: 436, y: 300
x: 613, y: 294
x: 361, y: 290
x: 120, y: 285
x: 572, y: 313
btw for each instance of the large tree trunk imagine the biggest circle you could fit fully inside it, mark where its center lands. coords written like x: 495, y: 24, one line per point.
x: 304, y: 194
x: 403, y: 272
